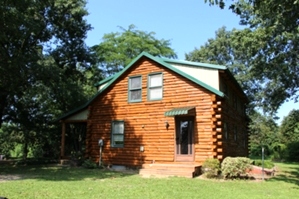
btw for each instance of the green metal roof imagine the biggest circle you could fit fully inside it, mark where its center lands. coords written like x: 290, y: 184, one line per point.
x: 159, y: 60
x: 178, y: 111
x: 195, y: 64
x: 208, y: 66
x: 163, y: 63
x: 105, y: 80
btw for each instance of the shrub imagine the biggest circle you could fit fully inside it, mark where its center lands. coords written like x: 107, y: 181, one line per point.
x: 279, y: 152
x: 267, y: 163
x: 293, y: 151
x: 235, y: 167
x: 211, y: 168
x: 89, y: 164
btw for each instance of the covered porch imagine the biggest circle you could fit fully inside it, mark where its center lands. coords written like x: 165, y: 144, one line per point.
x: 73, y: 137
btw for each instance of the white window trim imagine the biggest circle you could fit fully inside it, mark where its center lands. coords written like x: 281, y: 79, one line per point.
x: 149, y: 87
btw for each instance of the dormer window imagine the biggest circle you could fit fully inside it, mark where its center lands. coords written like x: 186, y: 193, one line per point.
x: 155, y: 86
x: 135, y: 89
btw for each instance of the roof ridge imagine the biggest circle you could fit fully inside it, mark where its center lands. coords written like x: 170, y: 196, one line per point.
x: 197, y: 64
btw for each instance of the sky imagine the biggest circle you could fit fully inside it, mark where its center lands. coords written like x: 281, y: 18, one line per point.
x: 188, y: 24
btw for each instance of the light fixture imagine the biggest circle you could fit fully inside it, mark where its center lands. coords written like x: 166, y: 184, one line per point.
x: 166, y: 124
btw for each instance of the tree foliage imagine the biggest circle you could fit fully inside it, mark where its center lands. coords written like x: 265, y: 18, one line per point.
x: 230, y: 48
x: 265, y: 51
x: 289, y: 132
x: 274, y: 25
x: 263, y: 133
x: 289, y: 127
x: 44, y: 63
x: 33, y: 32
x: 119, y: 48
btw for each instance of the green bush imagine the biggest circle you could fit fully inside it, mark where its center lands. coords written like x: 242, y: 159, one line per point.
x: 211, y: 168
x: 235, y: 167
x: 267, y: 163
x: 279, y: 152
x: 89, y: 164
x: 16, y: 152
x: 293, y: 151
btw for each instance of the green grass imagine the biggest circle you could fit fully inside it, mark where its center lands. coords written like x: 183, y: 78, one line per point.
x: 63, y: 182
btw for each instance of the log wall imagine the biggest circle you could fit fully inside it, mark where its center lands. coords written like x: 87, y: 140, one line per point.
x: 145, y: 121
x: 233, y: 111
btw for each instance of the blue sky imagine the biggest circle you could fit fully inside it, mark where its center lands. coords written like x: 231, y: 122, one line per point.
x: 188, y: 24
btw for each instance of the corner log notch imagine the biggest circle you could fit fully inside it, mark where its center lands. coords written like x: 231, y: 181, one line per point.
x: 217, y: 131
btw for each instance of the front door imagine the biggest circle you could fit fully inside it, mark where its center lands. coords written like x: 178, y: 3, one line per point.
x: 184, y: 138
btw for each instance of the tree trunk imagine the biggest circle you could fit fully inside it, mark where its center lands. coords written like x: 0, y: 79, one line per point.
x: 25, y: 150
x: 3, y: 103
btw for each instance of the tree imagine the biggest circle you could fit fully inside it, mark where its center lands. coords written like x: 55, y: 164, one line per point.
x: 275, y: 25
x: 118, y: 49
x: 7, y: 140
x: 289, y: 131
x: 230, y: 48
x: 263, y: 133
x: 34, y: 31
x: 44, y: 63
x: 289, y: 127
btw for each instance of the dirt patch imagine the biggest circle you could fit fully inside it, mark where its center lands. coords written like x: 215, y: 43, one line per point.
x: 260, y: 173
x: 5, y: 178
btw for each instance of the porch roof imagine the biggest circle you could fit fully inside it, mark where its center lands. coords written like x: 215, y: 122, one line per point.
x: 179, y: 111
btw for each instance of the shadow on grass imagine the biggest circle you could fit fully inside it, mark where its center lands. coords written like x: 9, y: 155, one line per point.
x: 59, y: 173
x: 287, y: 172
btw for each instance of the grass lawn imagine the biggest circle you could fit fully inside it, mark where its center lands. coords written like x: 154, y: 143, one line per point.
x: 69, y: 182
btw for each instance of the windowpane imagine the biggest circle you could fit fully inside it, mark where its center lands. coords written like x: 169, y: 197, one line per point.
x: 155, y: 86
x: 135, y: 89
x: 118, y: 138
x: 117, y: 134
x: 135, y: 82
x: 118, y: 128
x: 155, y: 93
x: 225, y: 130
x: 135, y: 95
x: 155, y: 80
x: 235, y: 132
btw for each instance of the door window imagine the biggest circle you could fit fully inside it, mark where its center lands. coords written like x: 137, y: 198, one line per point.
x: 184, y: 136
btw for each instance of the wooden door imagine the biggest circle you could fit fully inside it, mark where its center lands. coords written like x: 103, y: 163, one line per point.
x: 184, y: 149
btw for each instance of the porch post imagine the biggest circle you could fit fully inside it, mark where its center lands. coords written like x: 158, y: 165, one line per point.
x: 62, y: 140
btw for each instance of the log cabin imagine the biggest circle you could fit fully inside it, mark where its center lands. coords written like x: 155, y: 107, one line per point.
x: 163, y: 116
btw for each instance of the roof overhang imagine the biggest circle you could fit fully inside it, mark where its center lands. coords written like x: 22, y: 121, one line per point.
x: 179, y: 111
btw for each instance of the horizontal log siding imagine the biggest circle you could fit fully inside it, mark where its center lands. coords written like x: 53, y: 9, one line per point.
x: 145, y: 121
x: 234, y: 117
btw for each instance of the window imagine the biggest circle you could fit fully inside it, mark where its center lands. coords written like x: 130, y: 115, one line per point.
x: 225, y: 90
x: 155, y: 86
x: 225, y: 130
x: 117, y: 133
x: 135, y: 89
x: 235, y: 101
x: 244, y: 137
x: 223, y: 86
x: 235, y: 133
